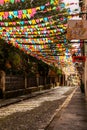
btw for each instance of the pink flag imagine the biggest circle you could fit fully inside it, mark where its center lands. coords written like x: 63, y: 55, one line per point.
x: 1, y: 2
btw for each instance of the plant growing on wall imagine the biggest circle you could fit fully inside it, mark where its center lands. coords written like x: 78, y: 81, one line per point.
x: 15, y: 61
x: 43, y: 68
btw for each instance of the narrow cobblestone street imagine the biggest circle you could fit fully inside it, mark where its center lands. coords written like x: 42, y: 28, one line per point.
x: 43, y: 64
x: 35, y: 113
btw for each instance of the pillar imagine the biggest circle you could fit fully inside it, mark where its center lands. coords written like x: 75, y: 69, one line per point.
x: 2, y: 81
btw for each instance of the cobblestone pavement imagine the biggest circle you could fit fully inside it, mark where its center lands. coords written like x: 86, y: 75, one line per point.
x: 35, y: 113
x: 73, y: 117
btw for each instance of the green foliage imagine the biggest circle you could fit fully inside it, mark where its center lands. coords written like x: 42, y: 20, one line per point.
x: 15, y: 61
x: 11, y: 59
x: 59, y: 71
x: 43, y: 68
x: 3, y: 53
x: 56, y: 70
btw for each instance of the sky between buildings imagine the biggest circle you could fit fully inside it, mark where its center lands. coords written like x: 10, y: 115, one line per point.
x: 73, y: 4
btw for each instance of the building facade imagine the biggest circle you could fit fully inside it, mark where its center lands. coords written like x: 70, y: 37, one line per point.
x: 83, y: 5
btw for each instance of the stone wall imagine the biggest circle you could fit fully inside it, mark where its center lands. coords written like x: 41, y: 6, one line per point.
x: 13, y: 86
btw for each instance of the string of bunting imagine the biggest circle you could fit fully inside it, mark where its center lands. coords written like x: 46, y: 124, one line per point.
x: 38, y: 56
x: 10, y: 1
x: 31, y: 46
x: 28, y: 13
x: 2, y: 2
x: 16, y: 1
x: 33, y: 49
x: 41, y: 48
x: 34, y: 22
